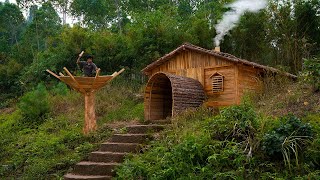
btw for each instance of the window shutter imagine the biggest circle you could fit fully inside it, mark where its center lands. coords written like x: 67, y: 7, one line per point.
x: 217, y: 83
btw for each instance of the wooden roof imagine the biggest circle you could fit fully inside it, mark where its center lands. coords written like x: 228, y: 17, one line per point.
x: 222, y: 55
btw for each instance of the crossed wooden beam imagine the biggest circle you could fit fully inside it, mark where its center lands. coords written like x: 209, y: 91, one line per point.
x: 86, y: 86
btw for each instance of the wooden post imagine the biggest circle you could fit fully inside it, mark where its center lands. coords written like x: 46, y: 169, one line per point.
x: 88, y: 92
x: 89, y: 113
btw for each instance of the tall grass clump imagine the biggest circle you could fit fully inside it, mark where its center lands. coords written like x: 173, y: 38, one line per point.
x: 312, y: 151
x: 288, y: 139
x: 283, y: 95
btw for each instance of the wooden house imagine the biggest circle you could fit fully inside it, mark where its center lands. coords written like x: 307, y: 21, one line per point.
x: 190, y: 76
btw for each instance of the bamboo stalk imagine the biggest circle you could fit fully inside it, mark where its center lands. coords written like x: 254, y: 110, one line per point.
x: 72, y: 77
x: 95, y: 78
x: 117, y: 73
x: 53, y: 74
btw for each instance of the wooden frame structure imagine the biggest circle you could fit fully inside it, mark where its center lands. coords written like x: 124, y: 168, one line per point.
x: 86, y: 86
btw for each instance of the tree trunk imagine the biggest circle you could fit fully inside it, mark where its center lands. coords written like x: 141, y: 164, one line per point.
x: 89, y: 116
x: 119, y: 16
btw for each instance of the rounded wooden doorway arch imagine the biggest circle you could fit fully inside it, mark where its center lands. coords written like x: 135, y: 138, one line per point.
x: 167, y: 95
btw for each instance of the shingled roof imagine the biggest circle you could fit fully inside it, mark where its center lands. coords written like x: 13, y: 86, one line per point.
x: 221, y: 55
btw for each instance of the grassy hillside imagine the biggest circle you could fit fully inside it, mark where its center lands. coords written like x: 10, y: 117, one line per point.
x: 41, y: 138
x: 281, y: 97
x: 275, y: 135
x: 237, y: 144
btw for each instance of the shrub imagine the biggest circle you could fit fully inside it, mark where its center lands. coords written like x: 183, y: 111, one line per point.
x: 60, y: 89
x: 237, y: 123
x: 199, y: 146
x: 288, y: 139
x: 34, y: 105
x: 312, y: 72
x: 45, y: 152
x: 312, y: 152
x: 195, y: 157
x: 192, y: 150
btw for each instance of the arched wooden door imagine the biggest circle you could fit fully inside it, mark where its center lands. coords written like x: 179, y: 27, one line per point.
x: 167, y: 95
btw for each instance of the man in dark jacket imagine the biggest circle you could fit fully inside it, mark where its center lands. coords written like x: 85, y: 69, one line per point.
x: 89, y: 68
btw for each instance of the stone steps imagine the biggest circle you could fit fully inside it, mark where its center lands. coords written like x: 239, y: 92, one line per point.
x: 95, y: 168
x: 144, y: 129
x: 130, y: 138
x: 101, y: 156
x: 162, y: 122
x: 120, y: 147
x: 82, y: 177
x: 101, y: 163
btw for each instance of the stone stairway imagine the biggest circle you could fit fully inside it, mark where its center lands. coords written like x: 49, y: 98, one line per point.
x: 101, y: 164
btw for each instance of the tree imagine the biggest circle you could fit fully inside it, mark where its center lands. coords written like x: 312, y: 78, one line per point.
x: 11, y: 25
x: 63, y: 6
x: 248, y: 39
x: 308, y: 22
x: 155, y: 33
x: 287, y: 33
x: 44, y: 25
x: 26, y: 4
x: 96, y: 14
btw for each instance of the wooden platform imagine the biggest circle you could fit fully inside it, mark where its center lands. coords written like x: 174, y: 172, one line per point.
x: 86, y: 86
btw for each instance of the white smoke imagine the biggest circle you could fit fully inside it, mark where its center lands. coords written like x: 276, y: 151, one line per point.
x: 231, y: 18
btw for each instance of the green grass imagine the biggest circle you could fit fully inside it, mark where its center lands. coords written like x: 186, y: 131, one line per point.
x: 47, y: 147
x: 200, y: 145
x: 45, y: 151
x: 121, y: 101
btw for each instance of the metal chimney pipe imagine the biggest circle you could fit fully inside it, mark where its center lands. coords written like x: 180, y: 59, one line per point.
x: 217, y: 49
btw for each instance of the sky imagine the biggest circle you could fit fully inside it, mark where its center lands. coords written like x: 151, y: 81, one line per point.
x: 12, y: 1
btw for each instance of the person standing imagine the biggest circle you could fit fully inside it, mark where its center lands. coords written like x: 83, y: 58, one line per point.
x: 88, y: 67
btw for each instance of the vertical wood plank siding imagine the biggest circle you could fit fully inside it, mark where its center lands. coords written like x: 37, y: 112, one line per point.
x: 248, y: 80
x: 228, y: 95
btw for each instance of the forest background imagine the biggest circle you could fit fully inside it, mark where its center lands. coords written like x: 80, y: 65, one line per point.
x: 133, y: 33
x: 41, y: 119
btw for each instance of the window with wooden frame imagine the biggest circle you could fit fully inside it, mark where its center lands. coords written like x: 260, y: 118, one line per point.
x: 217, y: 82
